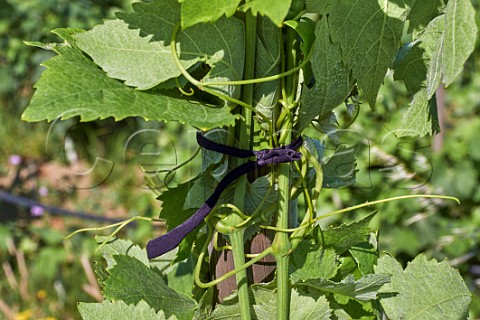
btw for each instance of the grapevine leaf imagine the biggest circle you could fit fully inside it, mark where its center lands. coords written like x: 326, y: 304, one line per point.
x: 333, y: 83
x: 366, y: 255
x: 108, y: 310
x: 276, y: 10
x: 424, y: 290
x: 73, y: 85
x: 310, y: 261
x: 318, y: 6
x: 197, y: 11
x: 202, y: 188
x: 454, y: 45
x: 305, y: 27
x: 411, y: 65
x: 432, y: 39
x: 187, y: 245
x: 220, y: 45
x: 459, y: 37
x: 210, y: 157
x: 328, y: 124
x: 179, y: 276
x: 123, y: 284
x: 339, y: 169
x: 117, y: 48
x: 174, y: 214
x: 307, y: 307
x: 124, y: 54
x: 421, y: 13
x: 260, y: 195
x: 68, y: 34
x: 421, y: 118
x: 267, y: 63
x: 363, y: 289
x: 263, y: 297
x: 256, y: 192
x: 345, y: 236
x: 303, y: 306
x: 315, y: 147
x: 119, y: 246
x: 369, y: 34
x: 205, y: 305
x: 172, y: 202
x: 230, y: 309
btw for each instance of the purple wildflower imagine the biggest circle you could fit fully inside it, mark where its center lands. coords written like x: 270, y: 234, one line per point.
x: 36, y: 211
x: 15, y: 159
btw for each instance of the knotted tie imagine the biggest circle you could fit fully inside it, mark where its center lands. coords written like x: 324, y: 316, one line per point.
x: 169, y: 241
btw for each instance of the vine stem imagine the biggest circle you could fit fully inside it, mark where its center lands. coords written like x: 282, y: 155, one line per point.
x: 281, y: 243
x: 245, y: 137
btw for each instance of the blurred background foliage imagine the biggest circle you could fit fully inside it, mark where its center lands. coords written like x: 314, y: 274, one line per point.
x: 45, y: 276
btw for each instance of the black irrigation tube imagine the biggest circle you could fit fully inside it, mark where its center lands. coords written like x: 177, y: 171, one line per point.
x: 29, y: 203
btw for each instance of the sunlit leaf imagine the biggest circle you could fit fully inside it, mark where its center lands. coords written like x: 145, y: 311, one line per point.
x: 108, y: 310
x: 197, y: 11
x: 424, y: 290
x: 369, y: 34
x: 72, y: 85
x: 363, y: 289
x: 332, y: 84
x: 132, y: 281
x: 276, y: 10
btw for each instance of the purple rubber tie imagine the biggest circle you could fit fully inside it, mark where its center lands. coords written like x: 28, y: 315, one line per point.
x: 172, y: 239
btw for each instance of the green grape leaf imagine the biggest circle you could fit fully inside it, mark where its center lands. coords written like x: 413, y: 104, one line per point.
x: 257, y: 192
x: 276, y: 10
x: 303, y: 305
x: 73, y: 85
x: 454, y: 45
x: 369, y: 33
x: 411, y: 65
x: 421, y: 118
x: 116, y: 246
x: 108, y: 310
x: 311, y: 261
x: 174, y: 213
x: 332, y: 84
x: 229, y: 308
x: 459, y: 37
x: 424, y: 290
x: 179, y: 276
x: 220, y: 45
x: 421, y: 13
x: 339, y: 169
x: 68, y: 34
x: 260, y: 195
x: 205, y: 305
x: 172, y: 202
x: 140, y: 61
x: 305, y: 27
x: 197, y: 11
x: 267, y: 63
x: 307, y: 307
x: 124, y: 284
x: 210, y: 157
x: 201, y: 189
x: 433, y: 53
x: 117, y: 47
x: 346, y: 236
x: 363, y: 289
x: 365, y: 255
